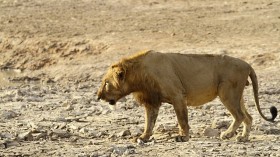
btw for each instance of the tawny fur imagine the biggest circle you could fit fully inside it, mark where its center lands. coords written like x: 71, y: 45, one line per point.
x: 183, y: 80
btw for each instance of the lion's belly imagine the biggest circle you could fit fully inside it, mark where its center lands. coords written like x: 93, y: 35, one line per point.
x: 200, y: 97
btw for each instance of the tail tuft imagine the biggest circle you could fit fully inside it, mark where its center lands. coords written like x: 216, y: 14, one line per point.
x: 274, y: 112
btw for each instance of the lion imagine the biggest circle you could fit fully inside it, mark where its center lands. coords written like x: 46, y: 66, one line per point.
x: 183, y: 80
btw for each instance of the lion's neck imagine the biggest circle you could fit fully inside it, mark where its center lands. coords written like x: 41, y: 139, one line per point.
x: 145, y: 89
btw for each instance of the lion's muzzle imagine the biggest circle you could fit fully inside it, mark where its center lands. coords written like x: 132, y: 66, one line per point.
x: 99, y: 95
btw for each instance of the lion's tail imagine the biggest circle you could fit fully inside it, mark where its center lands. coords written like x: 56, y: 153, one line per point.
x: 273, y: 109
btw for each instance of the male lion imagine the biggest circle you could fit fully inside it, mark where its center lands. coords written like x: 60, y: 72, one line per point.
x: 183, y: 80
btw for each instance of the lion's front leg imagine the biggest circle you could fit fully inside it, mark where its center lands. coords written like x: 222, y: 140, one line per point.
x: 182, y: 116
x: 150, y: 120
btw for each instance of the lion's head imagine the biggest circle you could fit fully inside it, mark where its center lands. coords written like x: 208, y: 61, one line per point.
x: 113, y: 85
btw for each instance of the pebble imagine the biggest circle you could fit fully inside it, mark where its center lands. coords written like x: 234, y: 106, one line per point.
x: 220, y: 124
x: 61, y: 133
x: 9, y: 114
x: 83, y: 130
x: 209, y: 132
x: 124, y: 133
x: 6, y: 135
x: 136, y: 131
x: 69, y: 107
x: 37, y: 136
x: 122, y: 150
x: 34, y: 99
x: 106, y: 111
x: 140, y: 142
x: 26, y: 136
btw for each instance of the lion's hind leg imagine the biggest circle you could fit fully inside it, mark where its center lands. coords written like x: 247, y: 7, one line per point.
x: 231, y: 97
x: 247, y: 124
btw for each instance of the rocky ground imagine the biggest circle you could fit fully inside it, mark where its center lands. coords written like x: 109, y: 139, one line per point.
x: 53, y: 54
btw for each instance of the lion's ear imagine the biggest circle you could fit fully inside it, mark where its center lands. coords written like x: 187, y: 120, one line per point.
x: 119, y: 71
x: 120, y: 75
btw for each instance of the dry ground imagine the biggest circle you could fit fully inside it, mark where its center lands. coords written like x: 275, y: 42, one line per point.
x: 53, y: 54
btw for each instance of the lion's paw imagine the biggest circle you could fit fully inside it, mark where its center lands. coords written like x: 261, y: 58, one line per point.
x: 140, y: 140
x: 182, y: 138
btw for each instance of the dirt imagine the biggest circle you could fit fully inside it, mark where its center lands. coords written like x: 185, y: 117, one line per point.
x: 53, y: 55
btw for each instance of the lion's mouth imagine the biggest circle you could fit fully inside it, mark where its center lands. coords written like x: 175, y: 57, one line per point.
x: 112, y: 102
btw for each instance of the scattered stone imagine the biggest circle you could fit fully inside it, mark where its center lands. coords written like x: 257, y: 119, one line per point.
x: 129, y: 152
x: 37, y: 136
x: 220, y: 124
x: 34, y: 99
x: 101, y: 134
x: 124, y: 150
x: 272, y: 131
x: 209, y: 132
x: 72, y: 118
x: 8, y: 143
x: 26, y: 136
x: 60, y: 119
x: 61, y: 133
x: 6, y: 135
x: 74, y: 138
x: 3, y: 144
x: 9, y: 114
x: 69, y: 107
x: 140, y: 142
x: 124, y: 133
x: 74, y: 101
x: 164, y: 127
x: 73, y: 127
x: 83, y: 130
x: 137, y: 131
x: 106, y: 111
x: 62, y: 126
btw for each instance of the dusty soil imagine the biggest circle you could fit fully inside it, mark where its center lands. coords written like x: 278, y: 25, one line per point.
x: 53, y: 54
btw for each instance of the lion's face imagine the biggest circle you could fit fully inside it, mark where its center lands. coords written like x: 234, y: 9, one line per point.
x: 112, y: 87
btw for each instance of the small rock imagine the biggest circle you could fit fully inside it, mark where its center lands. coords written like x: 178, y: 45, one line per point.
x: 69, y: 107
x: 124, y: 133
x: 220, y: 124
x: 140, y: 142
x: 61, y: 119
x: 74, y: 101
x: 8, y: 143
x: 92, y: 133
x: 129, y: 152
x: 34, y: 99
x: 13, y: 143
x: 74, y: 138
x: 72, y: 118
x: 209, y: 132
x: 62, y: 126
x: 123, y: 150
x: 37, y: 136
x: 106, y: 111
x: 164, y: 127
x: 83, y: 130
x: 6, y: 135
x: 101, y: 133
x: 9, y: 114
x: 73, y: 127
x: 61, y: 133
x: 137, y: 131
x: 27, y: 136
